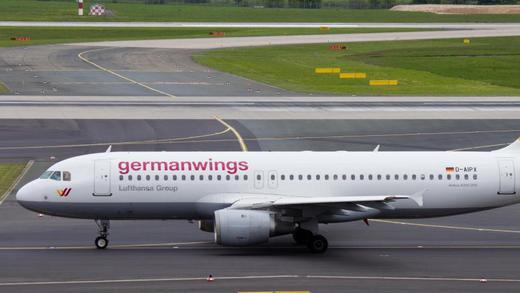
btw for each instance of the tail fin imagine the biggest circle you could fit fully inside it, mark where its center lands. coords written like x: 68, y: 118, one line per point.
x: 512, y: 148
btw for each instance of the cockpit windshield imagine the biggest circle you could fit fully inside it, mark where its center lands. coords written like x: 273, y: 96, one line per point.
x: 56, y: 175
x: 46, y: 175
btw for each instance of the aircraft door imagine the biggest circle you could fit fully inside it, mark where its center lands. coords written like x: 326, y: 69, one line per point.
x: 102, y: 178
x: 259, y: 179
x: 273, y: 179
x: 506, y: 176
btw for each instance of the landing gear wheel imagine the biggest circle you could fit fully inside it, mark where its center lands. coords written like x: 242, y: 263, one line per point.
x: 318, y: 244
x: 101, y: 242
x: 302, y: 236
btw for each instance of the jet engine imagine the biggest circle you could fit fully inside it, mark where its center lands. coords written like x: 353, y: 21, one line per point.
x: 248, y: 227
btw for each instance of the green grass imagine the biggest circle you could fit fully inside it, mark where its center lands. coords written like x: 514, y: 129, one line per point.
x: 488, y: 66
x: 56, y: 35
x: 8, y: 174
x: 66, y: 11
x: 3, y: 88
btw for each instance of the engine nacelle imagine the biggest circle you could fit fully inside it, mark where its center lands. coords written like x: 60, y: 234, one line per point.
x: 247, y: 227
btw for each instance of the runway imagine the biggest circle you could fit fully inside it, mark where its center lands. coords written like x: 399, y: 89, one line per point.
x: 449, y: 254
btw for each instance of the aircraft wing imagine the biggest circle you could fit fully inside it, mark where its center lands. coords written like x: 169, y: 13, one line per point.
x: 293, y: 201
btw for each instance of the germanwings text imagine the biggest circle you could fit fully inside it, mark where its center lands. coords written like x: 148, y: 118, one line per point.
x: 231, y: 167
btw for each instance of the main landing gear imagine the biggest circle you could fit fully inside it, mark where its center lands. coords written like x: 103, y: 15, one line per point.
x: 102, y: 240
x: 316, y: 243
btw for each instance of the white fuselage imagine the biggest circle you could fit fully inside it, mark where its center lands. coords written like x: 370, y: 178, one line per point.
x: 192, y: 185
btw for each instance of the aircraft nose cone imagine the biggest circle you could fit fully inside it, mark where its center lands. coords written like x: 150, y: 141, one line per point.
x: 26, y: 193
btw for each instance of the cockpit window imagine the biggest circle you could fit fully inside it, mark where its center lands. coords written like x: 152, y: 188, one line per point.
x: 66, y: 176
x: 46, y: 175
x: 56, y: 176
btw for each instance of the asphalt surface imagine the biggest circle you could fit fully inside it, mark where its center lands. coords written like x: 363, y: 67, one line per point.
x: 173, y: 256
x: 57, y: 70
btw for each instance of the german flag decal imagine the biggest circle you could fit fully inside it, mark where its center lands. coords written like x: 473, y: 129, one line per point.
x: 450, y: 169
x: 64, y: 192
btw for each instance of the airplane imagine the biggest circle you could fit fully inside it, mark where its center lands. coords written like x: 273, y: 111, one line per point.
x: 245, y: 198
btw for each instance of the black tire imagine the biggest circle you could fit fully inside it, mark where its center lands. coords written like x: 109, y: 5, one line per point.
x: 318, y: 244
x: 101, y: 242
x: 302, y: 236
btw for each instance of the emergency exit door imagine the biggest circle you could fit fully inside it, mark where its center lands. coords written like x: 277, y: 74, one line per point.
x: 102, y: 178
x: 507, y: 176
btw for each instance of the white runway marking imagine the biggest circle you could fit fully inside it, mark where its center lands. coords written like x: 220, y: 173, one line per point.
x: 445, y: 226
x: 412, y: 278
x: 112, y: 281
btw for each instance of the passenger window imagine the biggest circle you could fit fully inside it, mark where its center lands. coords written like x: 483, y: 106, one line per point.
x: 245, y: 177
x: 156, y: 177
x: 448, y: 176
x: 431, y: 176
x: 335, y: 177
x: 272, y: 177
x: 291, y: 177
x: 165, y: 177
x: 66, y: 176
x: 387, y: 177
x: 475, y: 176
x: 56, y: 176
x: 423, y: 176
x: 396, y: 177
x: 361, y: 177
x: 147, y: 177
x: 344, y: 177
x: 121, y: 177
x: 317, y: 177
x: 405, y: 177
x: 183, y: 177
x: 379, y: 177
x: 192, y: 177
x: 219, y: 177
x: 414, y: 177
x: 174, y: 177
x: 201, y: 177
x: 353, y: 177
x: 129, y: 177
x: 258, y: 177
x: 370, y: 177
x: 457, y: 177
x: 210, y: 177
x: 282, y: 177
x: 309, y: 177
x: 228, y: 177
x: 300, y: 177
x: 440, y: 176
x: 327, y: 177
x: 138, y: 177
x: 466, y: 176
x: 237, y: 177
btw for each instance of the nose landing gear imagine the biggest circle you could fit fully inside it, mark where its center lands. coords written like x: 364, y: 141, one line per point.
x: 101, y: 241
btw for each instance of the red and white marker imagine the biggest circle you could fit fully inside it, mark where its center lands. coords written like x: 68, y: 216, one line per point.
x: 210, y: 278
x: 80, y: 7
x: 483, y: 280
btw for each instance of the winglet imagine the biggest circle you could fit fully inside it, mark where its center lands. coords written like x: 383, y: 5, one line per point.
x: 109, y: 149
x: 514, y: 147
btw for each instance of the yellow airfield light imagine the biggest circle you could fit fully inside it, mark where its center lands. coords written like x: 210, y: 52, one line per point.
x: 353, y: 75
x: 377, y: 82
x: 327, y: 70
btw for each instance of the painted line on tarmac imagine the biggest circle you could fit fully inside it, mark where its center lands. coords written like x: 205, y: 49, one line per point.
x: 446, y: 226
x: 80, y: 56
x: 397, y: 278
x: 243, y: 145
x: 168, y: 245
x: 148, y: 280
x: 16, y: 181
x: 152, y: 141
x: 481, y: 147
x: 281, y: 138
